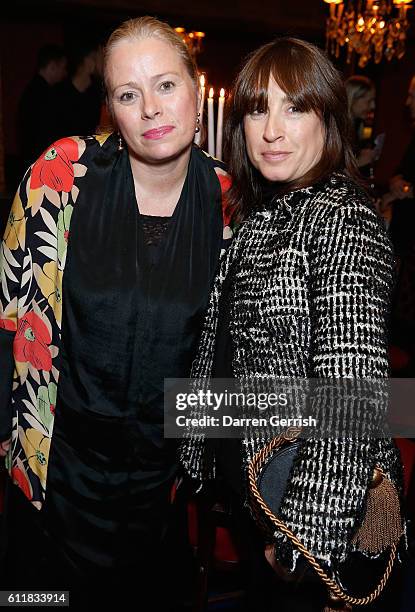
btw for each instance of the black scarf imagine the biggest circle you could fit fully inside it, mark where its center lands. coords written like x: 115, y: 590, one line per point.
x: 129, y: 322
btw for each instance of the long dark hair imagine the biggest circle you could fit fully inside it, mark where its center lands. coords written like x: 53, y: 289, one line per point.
x: 312, y: 83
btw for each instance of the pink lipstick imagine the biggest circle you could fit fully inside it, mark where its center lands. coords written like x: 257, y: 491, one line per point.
x: 157, y: 133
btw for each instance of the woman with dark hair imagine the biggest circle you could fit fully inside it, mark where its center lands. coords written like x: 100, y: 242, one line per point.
x: 302, y: 293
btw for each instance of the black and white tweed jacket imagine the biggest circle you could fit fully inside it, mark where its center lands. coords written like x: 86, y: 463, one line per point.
x: 312, y: 278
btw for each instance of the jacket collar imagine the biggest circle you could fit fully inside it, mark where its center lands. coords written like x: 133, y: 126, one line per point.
x: 284, y: 205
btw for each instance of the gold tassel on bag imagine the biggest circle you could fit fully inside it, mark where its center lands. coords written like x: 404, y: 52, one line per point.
x: 382, y: 523
x: 382, y: 528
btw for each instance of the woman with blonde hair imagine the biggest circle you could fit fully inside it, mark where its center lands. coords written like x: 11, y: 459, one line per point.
x: 107, y: 260
x: 361, y: 101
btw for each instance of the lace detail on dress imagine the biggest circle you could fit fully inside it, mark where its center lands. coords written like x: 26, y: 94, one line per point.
x: 154, y: 228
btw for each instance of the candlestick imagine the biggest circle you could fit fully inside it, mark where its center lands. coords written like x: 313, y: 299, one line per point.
x: 202, y: 101
x: 211, y: 125
x: 219, y: 129
x: 198, y: 136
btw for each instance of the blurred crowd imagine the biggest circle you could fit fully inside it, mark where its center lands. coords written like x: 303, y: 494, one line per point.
x: 64, y: 98
x: 396, y: 205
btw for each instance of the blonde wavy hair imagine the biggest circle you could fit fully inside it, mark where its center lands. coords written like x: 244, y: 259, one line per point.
x: 150, y: 27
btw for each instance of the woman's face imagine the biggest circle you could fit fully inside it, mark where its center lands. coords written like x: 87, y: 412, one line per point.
x: 283, y: 143
x: 364, y: 107
x: 153, y: 99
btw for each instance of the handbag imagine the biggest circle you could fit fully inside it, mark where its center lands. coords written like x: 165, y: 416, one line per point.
x: 268, y: 474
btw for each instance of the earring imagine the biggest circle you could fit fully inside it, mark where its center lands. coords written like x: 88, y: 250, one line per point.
x: 197, y: 129
x: 120, y: 142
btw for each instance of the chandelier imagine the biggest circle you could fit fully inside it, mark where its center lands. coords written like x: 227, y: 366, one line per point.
x: 193, y: 40
x: 371, y: 28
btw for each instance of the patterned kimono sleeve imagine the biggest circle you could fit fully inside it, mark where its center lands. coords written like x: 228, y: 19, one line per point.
x: 229, y: 229
x: 12, y: 255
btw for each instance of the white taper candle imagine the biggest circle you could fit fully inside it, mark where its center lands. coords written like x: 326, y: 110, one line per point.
x: 219, y: 129
x: 211, y: 124
x: 198, y: 135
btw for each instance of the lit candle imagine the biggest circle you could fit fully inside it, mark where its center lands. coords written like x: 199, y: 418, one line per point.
x: 211, y: 125
x: 333, y: 4
x: 198, y: 136
x: 219, y: 128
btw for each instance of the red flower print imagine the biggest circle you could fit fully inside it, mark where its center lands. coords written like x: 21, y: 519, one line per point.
x: 54, y: 167
x: 225, y: 184
x: 7, y: 324
x: 22, y: 481
x: 31, y: 342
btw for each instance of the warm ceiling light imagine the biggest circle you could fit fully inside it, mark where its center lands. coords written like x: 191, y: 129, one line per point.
x: 193, y: 40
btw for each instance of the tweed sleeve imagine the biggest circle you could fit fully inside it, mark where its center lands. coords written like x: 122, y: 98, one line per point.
x: 351, y: 279
x: 350, y: 285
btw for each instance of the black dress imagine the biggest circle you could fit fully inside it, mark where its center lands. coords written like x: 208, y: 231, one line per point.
x: 110, y: 481
x: 135, y: 292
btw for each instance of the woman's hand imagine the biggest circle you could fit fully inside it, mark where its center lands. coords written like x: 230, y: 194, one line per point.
x: 366, y: 157
x: 400, y: 188
x: 5, y: 447
x: 276, y: 566
x: 384, y: 206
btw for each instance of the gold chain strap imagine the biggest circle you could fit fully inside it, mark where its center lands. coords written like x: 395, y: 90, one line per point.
x: 254, y: 469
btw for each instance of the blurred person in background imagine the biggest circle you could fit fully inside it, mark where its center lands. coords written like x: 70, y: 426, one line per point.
x: 80, y: 96
x: 401, y: 210
x: 38, y: 109
x: 401, y: 184
x: 361, y: 98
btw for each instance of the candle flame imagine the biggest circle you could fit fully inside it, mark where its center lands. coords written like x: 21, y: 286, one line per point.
x: 202, y: 80
x: 211, y: 92
x: 222, y: 93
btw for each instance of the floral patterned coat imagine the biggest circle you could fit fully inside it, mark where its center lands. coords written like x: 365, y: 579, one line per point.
x: 32, y: 264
